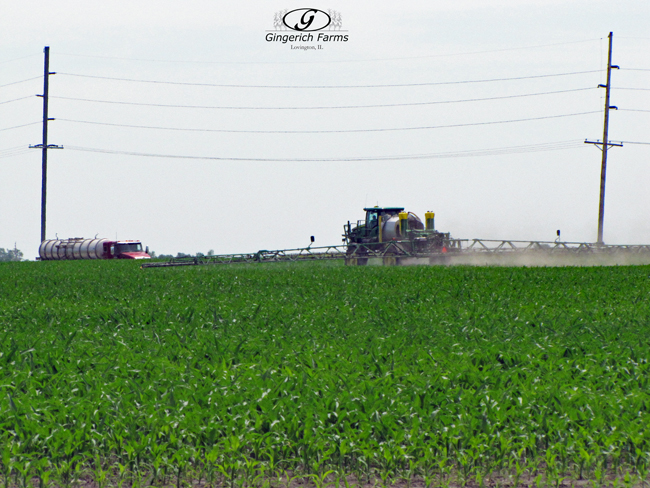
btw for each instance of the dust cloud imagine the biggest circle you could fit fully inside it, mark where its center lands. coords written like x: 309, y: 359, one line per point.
x: 528, y: 259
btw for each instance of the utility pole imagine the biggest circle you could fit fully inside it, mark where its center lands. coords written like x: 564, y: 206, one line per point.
x: 44, y: 146
x: 605, y: 144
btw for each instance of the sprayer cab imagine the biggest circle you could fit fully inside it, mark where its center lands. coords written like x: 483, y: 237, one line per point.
x: 369, y: 230
x: 382, y: 224
x: 390, y: 226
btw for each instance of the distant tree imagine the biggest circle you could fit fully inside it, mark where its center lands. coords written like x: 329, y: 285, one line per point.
x: 211, y: 252
x: 165, y: 256
x: 10, y: 254
x: 152, y: 254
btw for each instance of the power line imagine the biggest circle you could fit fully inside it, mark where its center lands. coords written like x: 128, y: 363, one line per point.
x: 323, y: 107
x: 643, y: 89
x: 21, y: 81
x: 553, y: 146
x: 629, y: 142
x: 16, y: 99
x: 633, y: 110
x: 328, y: 131
x: 636, y: 69
x: 329, y: 61
x: 18, y: 126
x: 14, y: 152
x: 16, y: 59
x: 3, y: 156
x: 9, y: 149
x: 329, y: 86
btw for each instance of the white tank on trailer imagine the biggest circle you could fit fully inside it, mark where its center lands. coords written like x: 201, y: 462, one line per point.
x: 47, y: 248
x: 72, y: 249
x: 90, y: 249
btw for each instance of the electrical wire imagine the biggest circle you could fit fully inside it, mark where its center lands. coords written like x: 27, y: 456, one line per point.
x: 16, y: 99
x: 13, y: 155
x: 331, y: 61
x: 622, y: 88
x: 14, y: 151
x: 633, y: 110
x: 16, y: 59
x: 21, y: 81
x: 630, y: 142
x: 327, y: 131
x: 636, y: 69
x: 329, y: 86
x: 324, y: 107
x: 23, y: 125
x: 9, y: 149
x: 554, y: 146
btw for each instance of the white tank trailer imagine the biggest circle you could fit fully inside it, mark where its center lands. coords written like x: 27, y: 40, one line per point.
x: 80, y: 248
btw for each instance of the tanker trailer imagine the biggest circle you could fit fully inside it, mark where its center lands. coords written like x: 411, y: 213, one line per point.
x: 79, y: 248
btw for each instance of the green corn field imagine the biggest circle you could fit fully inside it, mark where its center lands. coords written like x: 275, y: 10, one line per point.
x: 323, y: 375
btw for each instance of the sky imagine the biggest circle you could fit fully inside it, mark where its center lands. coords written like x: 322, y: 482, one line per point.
x: 183, y: 127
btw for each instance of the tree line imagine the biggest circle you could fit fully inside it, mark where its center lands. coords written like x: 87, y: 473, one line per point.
x: 10, y: 254
x: 180, y: 255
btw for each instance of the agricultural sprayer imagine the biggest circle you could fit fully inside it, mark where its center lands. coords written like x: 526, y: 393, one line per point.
x: 393, y: 236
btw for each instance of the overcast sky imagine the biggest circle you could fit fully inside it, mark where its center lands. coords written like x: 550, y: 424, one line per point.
x: 511, y: 167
